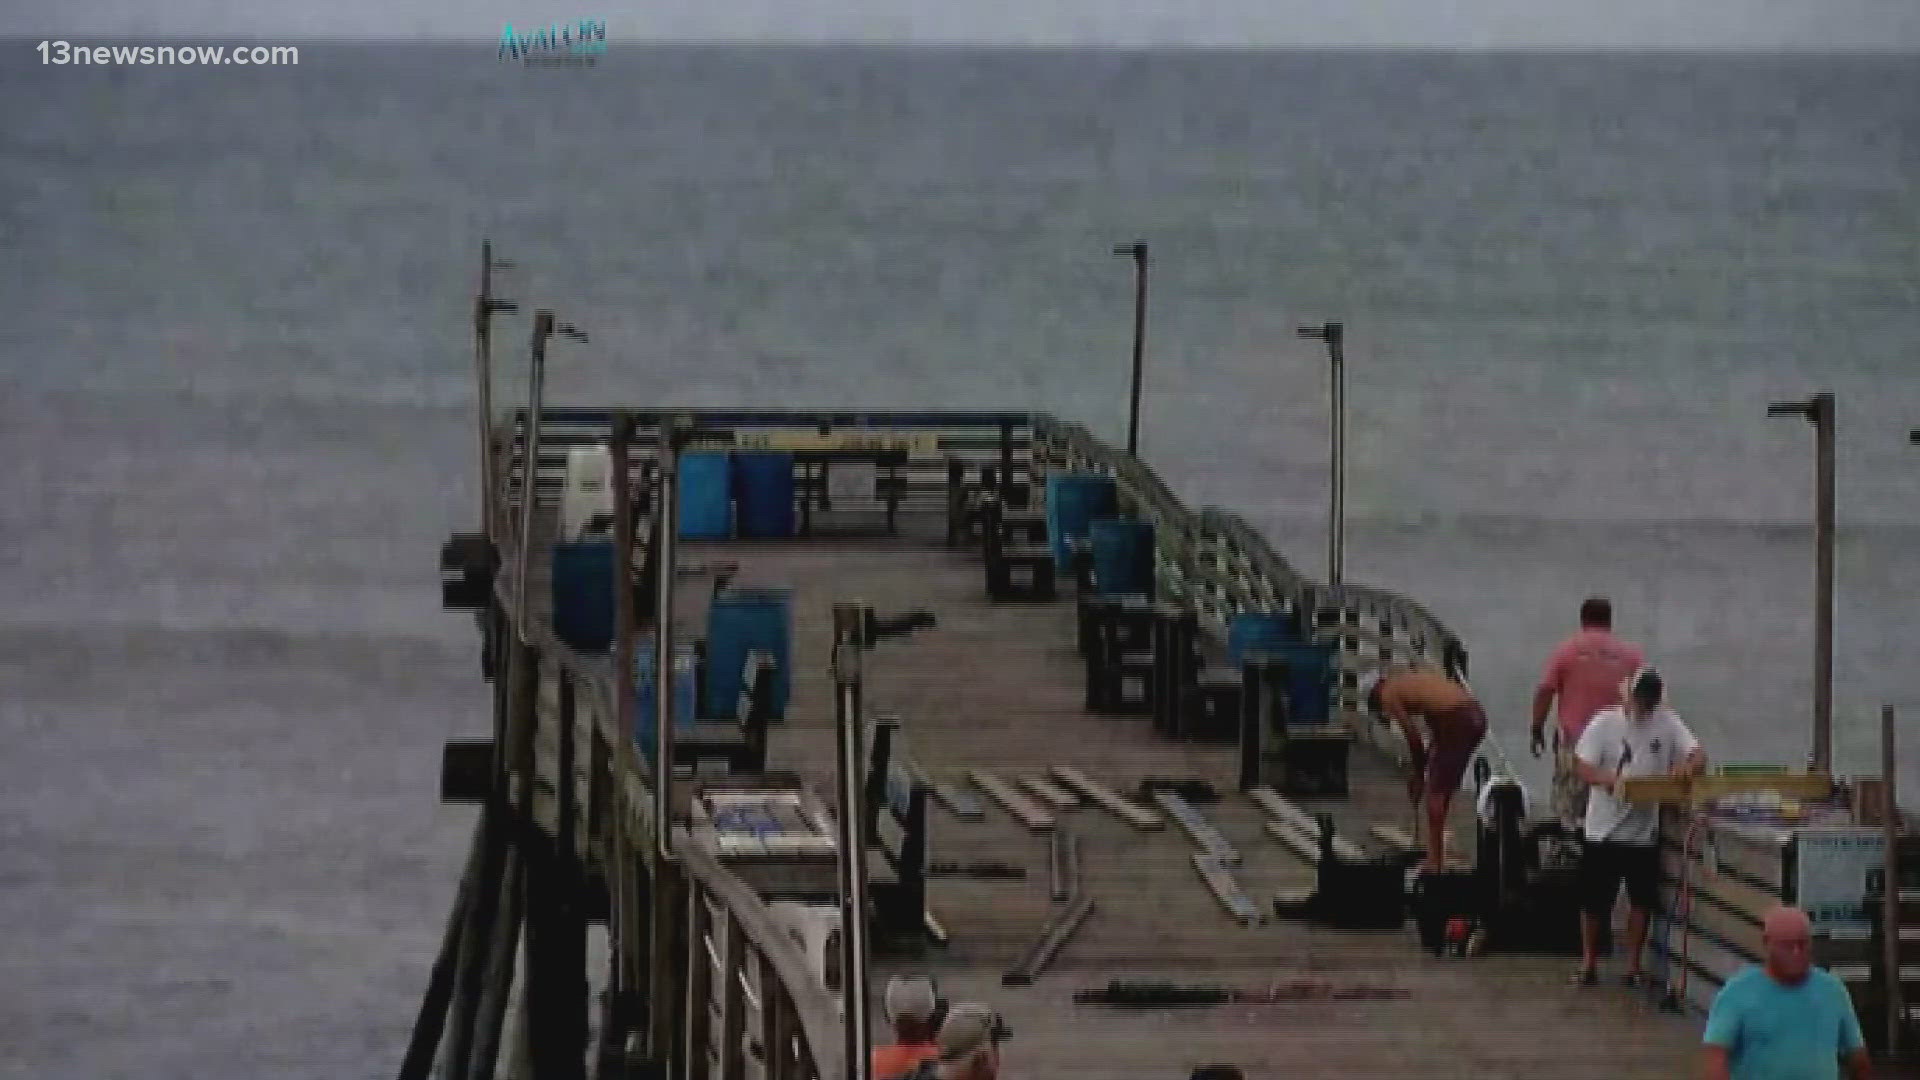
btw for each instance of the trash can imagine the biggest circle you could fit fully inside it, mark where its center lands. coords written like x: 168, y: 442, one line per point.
x: 706, y: 496
x: 1260, y: 631
x: 582, y: 586
x: 1074, y: 500
x: 763, y: 494
x: 1122, y: 557
x: 744, y: 621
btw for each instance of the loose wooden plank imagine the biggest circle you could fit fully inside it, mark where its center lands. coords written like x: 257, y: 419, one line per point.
x: 1125, y: 809
x: 1063, y: 865
x: 1050, y: 793
x: 1304, y: 847
x: 958, y: 803
x: 1226, y: 890
x: 1299, y: 821
x: 1667, y: 789
x: 1052, y: 938
x: 1397, y: 838
x: 1024, y: 810
x: 1206, y: 836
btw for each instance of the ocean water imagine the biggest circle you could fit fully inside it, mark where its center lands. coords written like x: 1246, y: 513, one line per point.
x: 236, y: 410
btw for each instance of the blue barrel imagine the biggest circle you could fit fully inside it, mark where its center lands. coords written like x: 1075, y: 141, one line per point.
x: 583, y: 594
x: 1073, y: 502
x: 1310, y: 676
x: 684, y: 686
x: 1122, y: 556
x: 763, y: 493
x: 744, y: 621
x: 1260, y: 631
x: 706, y: 496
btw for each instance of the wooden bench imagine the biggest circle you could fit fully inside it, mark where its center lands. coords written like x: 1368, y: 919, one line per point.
x: 739, y: 743
x: 968, y: 499
x: 896, y: 841
x: 1017, y: 567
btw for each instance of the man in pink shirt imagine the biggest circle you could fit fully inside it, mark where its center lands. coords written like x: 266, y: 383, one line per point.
x: 1585, y: 673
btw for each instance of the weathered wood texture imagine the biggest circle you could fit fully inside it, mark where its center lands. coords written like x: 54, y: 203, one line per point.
x: 998, y: 688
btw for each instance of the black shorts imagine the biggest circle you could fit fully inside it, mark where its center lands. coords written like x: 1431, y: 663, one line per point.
x: 1604, y: 865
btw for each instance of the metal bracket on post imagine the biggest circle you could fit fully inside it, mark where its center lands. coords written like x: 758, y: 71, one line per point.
x: 855, y: 630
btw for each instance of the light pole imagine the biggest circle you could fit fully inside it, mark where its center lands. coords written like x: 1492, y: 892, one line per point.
x: 856, y: 629
x: 1818, y: 410
x: 1138, y: 250
x: 485, y: 304
x: 1334, y: 334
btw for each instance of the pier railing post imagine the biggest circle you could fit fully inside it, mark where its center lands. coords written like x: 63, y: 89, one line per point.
x: 1890, y: 890
x: 848, y: 622
x: 662, y: 995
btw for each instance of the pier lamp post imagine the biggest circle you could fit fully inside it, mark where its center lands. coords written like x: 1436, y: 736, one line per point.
x: 1818, y: 410
x: 856, y: 629
x: 1138, y: 250
x: 485, y: 305
x: 1334, y: 334
x: 544, y: 327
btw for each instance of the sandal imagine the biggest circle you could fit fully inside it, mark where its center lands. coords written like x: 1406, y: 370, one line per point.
x: 1585, y: 977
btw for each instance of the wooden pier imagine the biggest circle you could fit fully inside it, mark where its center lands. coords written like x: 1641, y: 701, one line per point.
x: 995, y: 687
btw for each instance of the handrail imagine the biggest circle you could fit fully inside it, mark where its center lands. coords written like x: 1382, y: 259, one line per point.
x: 819, y: 1023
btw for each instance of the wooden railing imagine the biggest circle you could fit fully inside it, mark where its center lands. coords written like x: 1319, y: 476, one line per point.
x: 1218, y: 563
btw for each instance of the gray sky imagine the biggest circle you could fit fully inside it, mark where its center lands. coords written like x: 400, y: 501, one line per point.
x: 1892, y: 25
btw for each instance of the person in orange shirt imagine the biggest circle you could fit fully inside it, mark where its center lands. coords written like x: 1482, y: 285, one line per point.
x: 910, y: 1003
x: 1584, y: 674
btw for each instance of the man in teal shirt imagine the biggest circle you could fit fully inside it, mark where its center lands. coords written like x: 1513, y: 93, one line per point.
x: 1788, y: 1020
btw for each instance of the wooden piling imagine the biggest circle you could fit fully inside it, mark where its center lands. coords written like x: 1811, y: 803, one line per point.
x: 470, y: 969
x: 490, y: 1023
x: 431, y: 1022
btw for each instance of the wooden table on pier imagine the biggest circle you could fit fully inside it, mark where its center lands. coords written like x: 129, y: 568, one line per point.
x: 817, y: 464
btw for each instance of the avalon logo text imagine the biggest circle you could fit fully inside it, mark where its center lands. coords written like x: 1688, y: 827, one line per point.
x: 575, y: 43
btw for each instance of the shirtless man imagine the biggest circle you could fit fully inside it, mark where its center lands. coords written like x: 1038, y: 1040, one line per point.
x: 1454, y: 724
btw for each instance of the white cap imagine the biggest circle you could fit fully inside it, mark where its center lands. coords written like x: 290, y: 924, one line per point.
x: 909, y: 998
x: 967, y: 1028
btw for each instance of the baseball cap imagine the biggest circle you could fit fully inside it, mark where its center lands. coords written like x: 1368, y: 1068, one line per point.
x: 969, y: 1027
x: 1646, y: 689
x: 909, y: 998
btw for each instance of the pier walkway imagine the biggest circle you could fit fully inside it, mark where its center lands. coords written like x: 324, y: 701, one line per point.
x: 566, y: 837
x: 998, y: 687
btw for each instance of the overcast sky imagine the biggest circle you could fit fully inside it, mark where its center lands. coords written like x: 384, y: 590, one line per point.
x: 1660, y: 24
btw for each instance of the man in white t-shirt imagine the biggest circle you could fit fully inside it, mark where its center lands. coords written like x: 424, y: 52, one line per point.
x: 1640, y: 738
